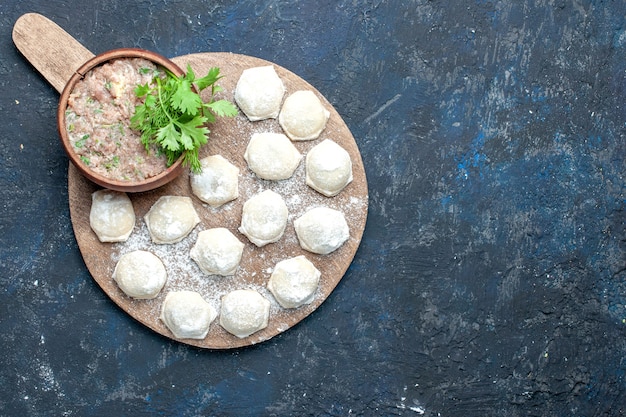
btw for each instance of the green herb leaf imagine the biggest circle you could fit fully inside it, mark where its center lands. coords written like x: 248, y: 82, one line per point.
x: 174, y: 117
x: 142, y: 90
x: 196, y: 130
x: 209, y: 79
x: 186, y: 100
x: 169, y: 138
x: 223, y: 108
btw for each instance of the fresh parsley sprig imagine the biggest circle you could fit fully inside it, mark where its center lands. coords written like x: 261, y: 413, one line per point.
x: 174, y: 117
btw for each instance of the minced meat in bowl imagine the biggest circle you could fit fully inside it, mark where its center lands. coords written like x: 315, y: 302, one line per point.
x: 98, y: 121
x: 94, y: 122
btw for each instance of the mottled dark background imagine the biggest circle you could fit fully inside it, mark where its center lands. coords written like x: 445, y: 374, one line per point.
x: 491, y: 279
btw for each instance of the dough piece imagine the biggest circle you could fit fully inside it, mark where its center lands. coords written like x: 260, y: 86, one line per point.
x: 294, y: 282
x: 187, y: 314
x: 321, y: 230
x: 218, y: 183
x: 303, y: 116
x: 171, y: 219
x: 264, y: 218
x: 217, y: 252
x: 259, y: 93
x: 272, y: 156
x: 244, y: 312
x: 112, y: 217
x: 140, y: 274
x: 328, y: 168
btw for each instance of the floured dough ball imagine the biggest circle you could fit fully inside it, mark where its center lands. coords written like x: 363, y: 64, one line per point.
x: 303, y: 116
x: 140, y: 274
x: 187, y: 314
x: 294, y: 282
x: 171, y: 219
x: 259, y: 93
x: 244, y: 312
x: 217, y: 252
x: 328, y: 168
x: 264, y: 218
x: 112, y: 217
x: 272, y: 156
x: 321, y: 230
x: 217, y: 183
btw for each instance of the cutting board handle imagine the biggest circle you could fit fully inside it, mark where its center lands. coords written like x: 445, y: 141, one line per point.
x: 49, y: 48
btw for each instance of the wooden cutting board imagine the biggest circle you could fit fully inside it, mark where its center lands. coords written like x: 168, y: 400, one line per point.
x: 229, y: 138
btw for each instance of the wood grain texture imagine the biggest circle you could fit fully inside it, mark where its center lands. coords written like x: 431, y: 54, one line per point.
x: 229, y: 137
x: 49, y: 48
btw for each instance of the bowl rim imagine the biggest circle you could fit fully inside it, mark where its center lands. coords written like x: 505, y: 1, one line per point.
x: 147, y: 184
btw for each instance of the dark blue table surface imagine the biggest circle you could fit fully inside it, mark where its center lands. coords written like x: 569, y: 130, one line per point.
x: 491, y: 278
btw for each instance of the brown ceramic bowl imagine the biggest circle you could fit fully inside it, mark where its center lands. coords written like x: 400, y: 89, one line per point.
x: 126, y: 186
